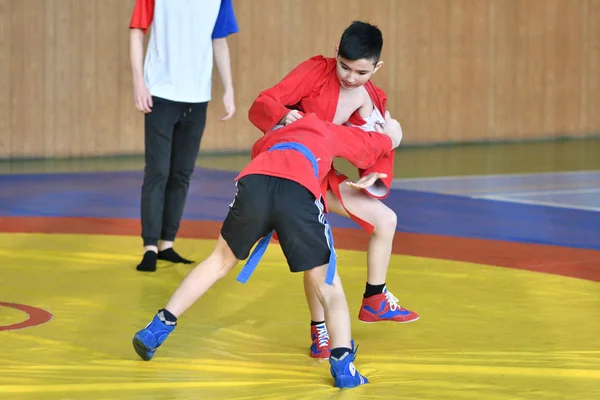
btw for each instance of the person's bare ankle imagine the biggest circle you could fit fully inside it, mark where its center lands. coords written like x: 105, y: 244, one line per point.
x: 151, y: 248
x: 164, y: 245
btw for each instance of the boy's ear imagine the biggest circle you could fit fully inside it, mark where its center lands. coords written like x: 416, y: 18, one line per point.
x: 335, y: 51
x: 377, y: 66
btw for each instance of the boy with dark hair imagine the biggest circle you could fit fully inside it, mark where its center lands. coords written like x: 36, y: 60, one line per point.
x: 280, y: 190
x: 361, y: 41
x: 339, y: 90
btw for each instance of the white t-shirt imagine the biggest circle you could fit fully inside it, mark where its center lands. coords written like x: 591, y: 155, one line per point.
x: 179, y: 58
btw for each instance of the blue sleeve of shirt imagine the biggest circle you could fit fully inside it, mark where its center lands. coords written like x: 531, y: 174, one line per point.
x: 226, y: 23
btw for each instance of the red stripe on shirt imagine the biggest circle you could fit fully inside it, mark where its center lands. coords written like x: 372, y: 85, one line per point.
x: 143, y: 13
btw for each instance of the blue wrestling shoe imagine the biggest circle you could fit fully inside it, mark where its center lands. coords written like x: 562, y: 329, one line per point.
x: 344, y: 372
x: 146, y: 341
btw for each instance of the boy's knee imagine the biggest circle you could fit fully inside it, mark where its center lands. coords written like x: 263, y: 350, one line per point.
x: 386, y: 222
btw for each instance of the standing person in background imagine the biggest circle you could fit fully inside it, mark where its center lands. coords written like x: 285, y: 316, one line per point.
x: 172, y: 87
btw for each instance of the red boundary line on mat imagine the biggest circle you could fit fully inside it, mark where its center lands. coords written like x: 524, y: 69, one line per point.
x: 565, y: 261
x: 35, y: 316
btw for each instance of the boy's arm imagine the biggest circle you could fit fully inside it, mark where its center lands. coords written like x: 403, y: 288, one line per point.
x: 223, y: 62
x: 381, y: 187
x: 361, y: 148
x: 141, y: 19
x: 225, y: 25
x: 271, y: 105
x: 385, y: 165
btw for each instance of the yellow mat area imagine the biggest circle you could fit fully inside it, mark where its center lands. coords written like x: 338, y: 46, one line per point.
x: 485, y: 332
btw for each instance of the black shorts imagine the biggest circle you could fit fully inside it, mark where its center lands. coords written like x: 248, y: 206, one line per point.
x: 265, y: 203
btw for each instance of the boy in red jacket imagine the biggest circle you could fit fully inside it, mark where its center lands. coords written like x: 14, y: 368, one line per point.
x: 280, y: 190
x: 339, y: 90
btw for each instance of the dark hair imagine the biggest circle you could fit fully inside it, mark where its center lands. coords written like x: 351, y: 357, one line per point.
x: 361, y: 41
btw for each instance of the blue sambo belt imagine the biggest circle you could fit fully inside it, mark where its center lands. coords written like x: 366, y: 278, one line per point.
x: 261, y: 247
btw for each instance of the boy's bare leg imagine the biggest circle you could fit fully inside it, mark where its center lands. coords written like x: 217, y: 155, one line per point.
x: 380, y: 243
x: 337, y: 315
x: 333, y: 301
x: 317, y: 313
x: 197, y: 282
x: 379, y: 252
x: 376, y: 213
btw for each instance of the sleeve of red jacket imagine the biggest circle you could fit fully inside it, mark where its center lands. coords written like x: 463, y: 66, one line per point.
x: 361, y: 148
x: 382, y: 187
x: 384, y: 165
x: 271, y: 105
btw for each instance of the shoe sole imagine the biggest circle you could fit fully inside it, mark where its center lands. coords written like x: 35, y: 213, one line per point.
x: 388, y: 320
x: 140, y: 349
x: 348, y: 383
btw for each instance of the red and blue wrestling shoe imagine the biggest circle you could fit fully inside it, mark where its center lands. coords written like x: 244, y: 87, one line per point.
x: 320, y: 342
x: 384, y: 307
